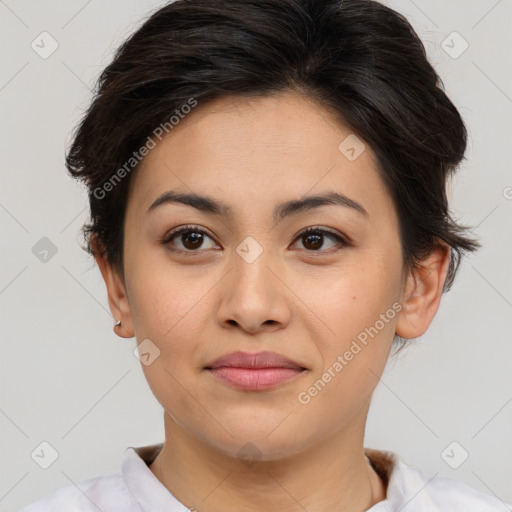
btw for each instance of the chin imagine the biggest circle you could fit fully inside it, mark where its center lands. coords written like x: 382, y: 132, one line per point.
x: 248, y: 442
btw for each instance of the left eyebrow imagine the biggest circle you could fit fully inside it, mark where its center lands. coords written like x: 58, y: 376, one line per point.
x: 293, y: 207
x: 304, y: 204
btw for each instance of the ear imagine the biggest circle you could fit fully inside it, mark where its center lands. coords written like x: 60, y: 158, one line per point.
x: 117, y: 297
x: 422, y: 293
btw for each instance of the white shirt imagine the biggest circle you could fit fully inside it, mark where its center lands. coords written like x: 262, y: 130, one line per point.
x: 134, y: 488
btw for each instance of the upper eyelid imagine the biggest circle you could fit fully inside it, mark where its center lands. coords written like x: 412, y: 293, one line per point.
x: 185, y: 228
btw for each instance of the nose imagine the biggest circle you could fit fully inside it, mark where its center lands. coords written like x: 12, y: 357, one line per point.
x: 253, y: 295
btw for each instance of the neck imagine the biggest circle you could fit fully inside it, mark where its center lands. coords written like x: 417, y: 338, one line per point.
x: 331, y: 475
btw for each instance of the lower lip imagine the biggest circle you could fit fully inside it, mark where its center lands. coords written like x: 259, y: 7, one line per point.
x: 255, y: 379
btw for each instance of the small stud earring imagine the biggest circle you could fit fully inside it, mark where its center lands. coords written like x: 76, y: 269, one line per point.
x: 118, y: 323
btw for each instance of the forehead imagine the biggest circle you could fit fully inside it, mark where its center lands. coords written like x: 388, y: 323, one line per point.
x: 254, y: 149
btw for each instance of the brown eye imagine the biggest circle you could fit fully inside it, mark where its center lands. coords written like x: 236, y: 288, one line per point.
x: 191, y: 239
x: 313, y: 239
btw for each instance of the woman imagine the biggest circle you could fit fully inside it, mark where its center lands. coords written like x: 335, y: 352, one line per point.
x: 268, y: 211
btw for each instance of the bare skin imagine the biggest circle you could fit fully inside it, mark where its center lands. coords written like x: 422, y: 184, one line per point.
x: 307, y: 299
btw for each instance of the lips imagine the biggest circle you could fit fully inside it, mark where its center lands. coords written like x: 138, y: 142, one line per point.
x: 257, y: 360
x: 255, y: 371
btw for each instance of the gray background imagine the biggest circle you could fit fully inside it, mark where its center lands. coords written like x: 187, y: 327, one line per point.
x: 69, y: 380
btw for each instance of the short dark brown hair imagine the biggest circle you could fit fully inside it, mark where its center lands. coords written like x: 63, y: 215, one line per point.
x: 358, y: 58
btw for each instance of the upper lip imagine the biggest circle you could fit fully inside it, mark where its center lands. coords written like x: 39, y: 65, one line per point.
x: 254, y: 360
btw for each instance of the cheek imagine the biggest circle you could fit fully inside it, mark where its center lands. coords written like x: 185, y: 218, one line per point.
x: 359, y: 306
x: 352, y: 360
x: 167, y: 299
x: 352, y: 297
x: 166, y: 311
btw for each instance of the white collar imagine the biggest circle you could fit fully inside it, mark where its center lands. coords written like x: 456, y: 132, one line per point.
x: 408, y: 488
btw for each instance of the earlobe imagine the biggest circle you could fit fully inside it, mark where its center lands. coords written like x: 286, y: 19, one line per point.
x: 117, y: 297
x: 422, y: 293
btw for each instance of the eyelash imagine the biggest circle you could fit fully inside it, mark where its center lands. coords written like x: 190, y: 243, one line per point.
x: 191, y: 228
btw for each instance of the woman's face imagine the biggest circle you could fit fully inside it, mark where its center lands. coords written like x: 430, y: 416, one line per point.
x: 249, y: 280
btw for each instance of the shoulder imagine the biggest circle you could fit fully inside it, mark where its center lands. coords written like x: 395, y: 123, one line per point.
x: 432, y: 492
x: 107, y: 493
x: 409, y: 489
